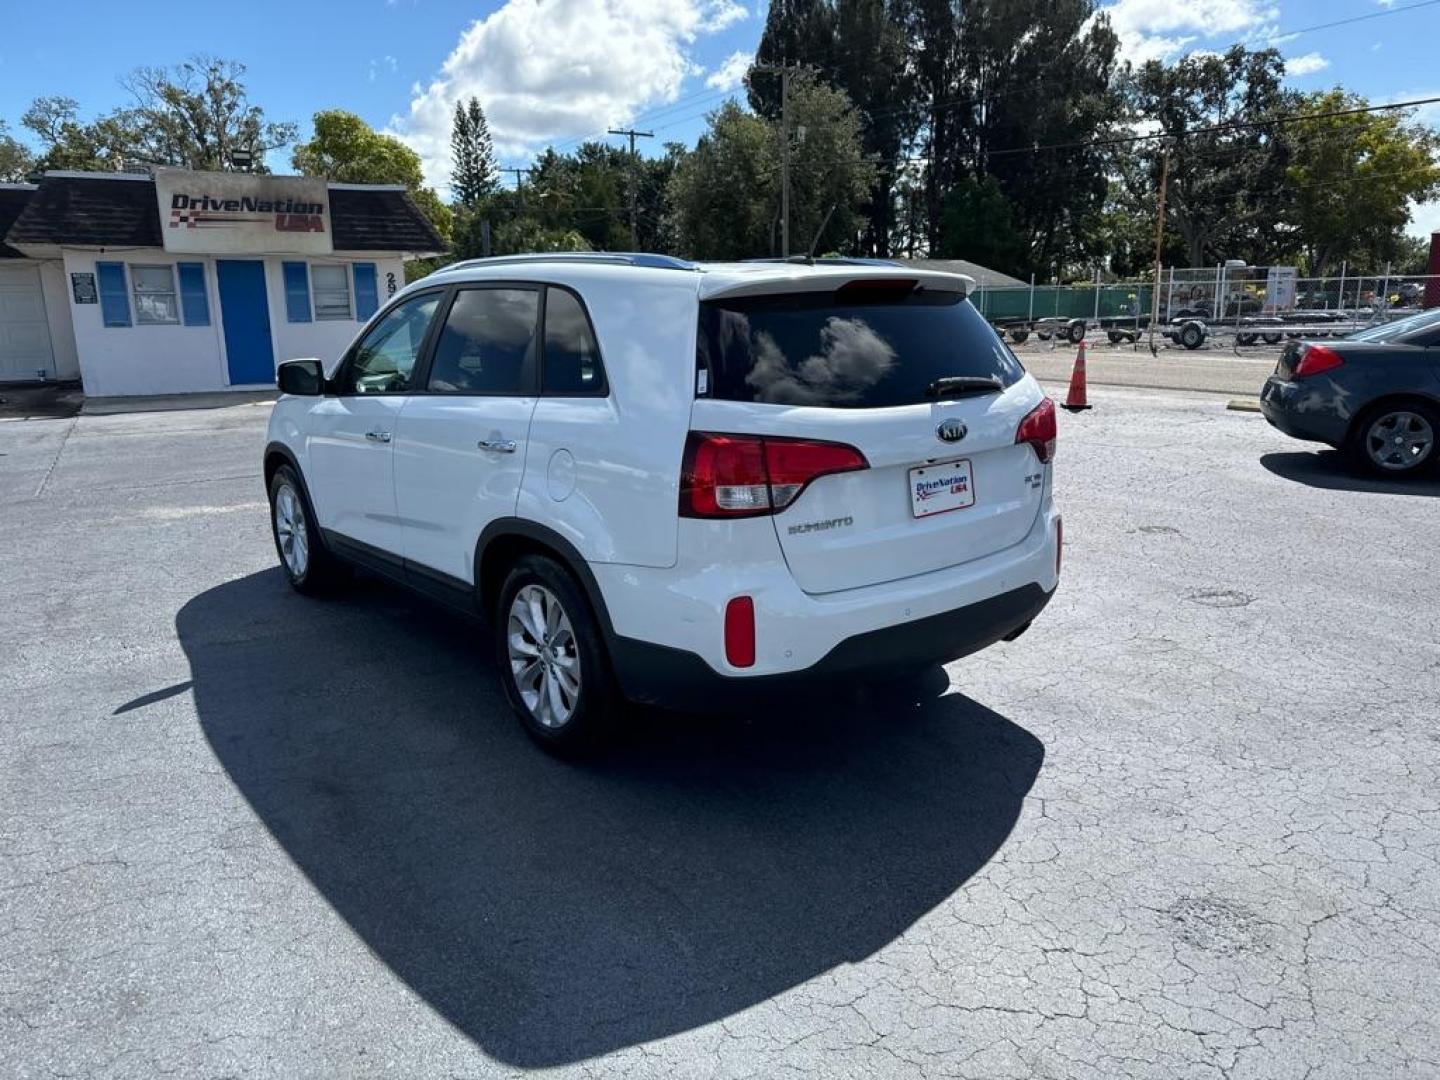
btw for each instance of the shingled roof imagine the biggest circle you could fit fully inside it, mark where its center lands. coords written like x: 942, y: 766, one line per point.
x: 122, y: 212
x: 380, y: 219
x: 13, y: 198
x: 90, y: 210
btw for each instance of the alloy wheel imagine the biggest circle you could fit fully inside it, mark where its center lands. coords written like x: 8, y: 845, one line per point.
x: 544, y: 656
x: 1400, y: 440
x: 291, y: 531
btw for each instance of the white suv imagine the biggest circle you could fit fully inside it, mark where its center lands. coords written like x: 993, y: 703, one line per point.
x: 678, y: 483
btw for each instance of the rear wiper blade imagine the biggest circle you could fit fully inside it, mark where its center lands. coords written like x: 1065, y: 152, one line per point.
x: 964, y: 386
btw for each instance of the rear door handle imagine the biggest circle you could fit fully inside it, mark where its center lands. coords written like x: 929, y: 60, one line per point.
x: 498, y: 446
x: 378, y: 436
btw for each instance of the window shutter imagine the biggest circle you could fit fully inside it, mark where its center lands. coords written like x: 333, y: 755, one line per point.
x: 194, y: 303
x: 367, y: 291
x: 114, y: 297
x: 297, y: 292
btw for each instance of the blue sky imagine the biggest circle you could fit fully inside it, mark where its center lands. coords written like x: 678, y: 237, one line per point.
x: 559, y: 70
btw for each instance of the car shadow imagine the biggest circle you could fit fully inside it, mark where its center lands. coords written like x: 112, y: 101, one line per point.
x: 555, y: 911
x: 1333, y: 471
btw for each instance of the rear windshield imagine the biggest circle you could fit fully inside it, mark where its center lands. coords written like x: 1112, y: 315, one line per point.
x: 1392, y: 331
x: 846, y: 349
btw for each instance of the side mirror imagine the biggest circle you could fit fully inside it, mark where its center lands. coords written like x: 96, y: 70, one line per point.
x: 301, y: 377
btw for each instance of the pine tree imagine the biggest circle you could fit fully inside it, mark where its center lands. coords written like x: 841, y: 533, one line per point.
x: 475, y: 173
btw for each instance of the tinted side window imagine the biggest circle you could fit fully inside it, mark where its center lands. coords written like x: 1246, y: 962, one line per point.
x: 855, y: 348
x: 385, y: 358
x: 487, y: 345
x: 572, y: 356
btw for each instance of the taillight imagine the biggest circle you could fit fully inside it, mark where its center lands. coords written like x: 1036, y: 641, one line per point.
x: 750, y: 475
x: 1316, y: 358
x: 1038, y: 429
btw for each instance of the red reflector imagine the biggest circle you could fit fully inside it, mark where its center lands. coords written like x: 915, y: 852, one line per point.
x: 740, y: 632
x: 1316, y: 358
x: 746, y: 475
x: 1039, y: 430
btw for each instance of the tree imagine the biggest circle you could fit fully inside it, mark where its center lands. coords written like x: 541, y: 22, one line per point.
x: 1227, y: 194
x: 474, y: 174
x: 1353, y: 179
x: 1036, y: 73
x: 66, y: 142
x: 977, y: 223
x: 16, y: 161
x: 197, y: 116
x: 935, y: 27
x: 347, y: 150
x: 860, y: 47
x: 725, y: 194
x: 830, y: 173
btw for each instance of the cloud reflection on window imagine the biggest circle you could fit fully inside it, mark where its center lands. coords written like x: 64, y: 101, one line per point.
x: 852, y: 358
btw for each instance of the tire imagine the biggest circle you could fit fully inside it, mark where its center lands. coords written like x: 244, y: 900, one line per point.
x: 1191, y: 336
x: 1115, y: 337
x: 565, y: 696
x: 1246, y: 339
x: 1044, y: 335
x: 1019, y: 336
x: 1373, y: 446
x: 1075, y: 332
x: 306, y: 563
x: 1272, y: 339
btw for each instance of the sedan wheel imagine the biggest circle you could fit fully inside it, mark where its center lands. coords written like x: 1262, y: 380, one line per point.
x: 544, y: 657
x: 1399, y: 440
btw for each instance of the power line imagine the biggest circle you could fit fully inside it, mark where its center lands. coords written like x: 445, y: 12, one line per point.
x: 1130, y: 140
x: 1381, y: 13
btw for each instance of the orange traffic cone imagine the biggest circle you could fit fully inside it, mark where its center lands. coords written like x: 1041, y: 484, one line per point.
x: 1075, y: 399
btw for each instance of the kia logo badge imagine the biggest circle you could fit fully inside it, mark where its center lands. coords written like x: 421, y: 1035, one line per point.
x: 951, y: 430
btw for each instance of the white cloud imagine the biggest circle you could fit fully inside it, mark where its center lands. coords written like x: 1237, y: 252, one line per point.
x: 730, y: 74
x: 1308, y: 64
x: 1424, y: 219
x: 548, y: 70
x: 1160, y: 29
x: 723, y: 14
x: 381, y: 66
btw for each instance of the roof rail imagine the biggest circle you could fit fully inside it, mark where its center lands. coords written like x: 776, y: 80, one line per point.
x: 612, y: 258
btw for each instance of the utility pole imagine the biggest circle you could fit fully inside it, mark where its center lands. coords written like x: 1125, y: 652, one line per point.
x: 1159, y: 245
x: 518, y: 173
x: 634, y: 231
x: 783, y: 70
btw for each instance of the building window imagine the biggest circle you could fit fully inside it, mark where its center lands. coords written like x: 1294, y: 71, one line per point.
x: 332, y: 291
x: 155, y: 300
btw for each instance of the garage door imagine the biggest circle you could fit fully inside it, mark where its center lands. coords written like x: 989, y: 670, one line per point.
x: 24, y: 334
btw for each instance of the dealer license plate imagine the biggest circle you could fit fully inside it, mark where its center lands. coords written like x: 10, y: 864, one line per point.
x: 937, y: 489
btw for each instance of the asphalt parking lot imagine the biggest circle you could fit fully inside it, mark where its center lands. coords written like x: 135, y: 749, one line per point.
x: 1185, y: 827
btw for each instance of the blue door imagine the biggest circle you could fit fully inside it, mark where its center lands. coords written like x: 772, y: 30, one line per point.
x: 245, y: 311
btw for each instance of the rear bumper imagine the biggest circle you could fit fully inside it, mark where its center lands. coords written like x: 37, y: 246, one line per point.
x: 667, y: 625
x: 676, y: 678
x: 1302, y: 411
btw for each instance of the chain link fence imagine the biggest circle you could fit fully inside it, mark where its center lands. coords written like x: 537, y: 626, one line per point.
x: 1244, y: 305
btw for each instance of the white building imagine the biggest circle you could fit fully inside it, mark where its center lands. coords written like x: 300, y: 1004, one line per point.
x: 191, y: 281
